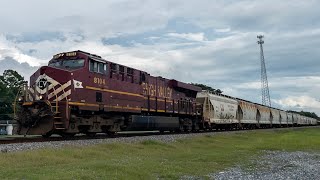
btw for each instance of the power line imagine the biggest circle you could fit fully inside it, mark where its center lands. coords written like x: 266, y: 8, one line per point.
x: 264, y: 79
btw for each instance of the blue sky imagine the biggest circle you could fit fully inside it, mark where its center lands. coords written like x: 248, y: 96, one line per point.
x: 205, y: 41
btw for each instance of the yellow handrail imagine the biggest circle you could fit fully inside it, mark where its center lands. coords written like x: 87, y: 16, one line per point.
x: 21, y: 88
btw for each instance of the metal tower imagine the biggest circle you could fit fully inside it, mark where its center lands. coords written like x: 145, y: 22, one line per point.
x: 264, y: 80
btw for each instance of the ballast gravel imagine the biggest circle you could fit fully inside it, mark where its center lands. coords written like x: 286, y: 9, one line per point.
x: 276, y: 165
x: 4, y: 148
x: 167, y: 138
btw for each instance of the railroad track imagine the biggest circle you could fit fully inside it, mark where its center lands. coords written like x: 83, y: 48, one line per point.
x: 15, y: 140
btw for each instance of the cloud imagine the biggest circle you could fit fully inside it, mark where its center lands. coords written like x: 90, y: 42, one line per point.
x: 188, y: 36
x: 211, y: 42
x: 299, y: 103
x: 7, y: 49
x: 24, y: 69
x: 223, y: 30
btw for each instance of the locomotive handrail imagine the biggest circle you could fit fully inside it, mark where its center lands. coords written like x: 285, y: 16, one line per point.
x: 21, y: 88
x: 57, y: 100
x: 24, y: 90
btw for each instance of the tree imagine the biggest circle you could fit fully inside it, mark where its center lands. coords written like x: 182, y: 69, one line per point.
x: 208, y: 88
x: 307, y: 114
x: 10, y: 83
x: 12, y: 80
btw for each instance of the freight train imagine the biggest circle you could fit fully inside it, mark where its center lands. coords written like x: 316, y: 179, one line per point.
x: 79, y: 92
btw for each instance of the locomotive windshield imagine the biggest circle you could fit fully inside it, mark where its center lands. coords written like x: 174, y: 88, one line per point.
x: 67, y: 63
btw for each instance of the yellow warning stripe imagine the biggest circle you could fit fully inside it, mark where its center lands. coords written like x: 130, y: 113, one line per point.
x: 162, y: 100
x: 27, y: 103
x: 116, y: 107
x: 83, y: 104
x: 113, y: 91
x: 97, y: 105
x: 123, y: 107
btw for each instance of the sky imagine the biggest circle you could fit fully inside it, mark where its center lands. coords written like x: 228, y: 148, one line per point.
x: 213, y: 42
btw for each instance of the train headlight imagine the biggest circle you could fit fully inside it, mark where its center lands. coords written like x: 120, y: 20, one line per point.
x: 41, y: 97
x: 20, y: 99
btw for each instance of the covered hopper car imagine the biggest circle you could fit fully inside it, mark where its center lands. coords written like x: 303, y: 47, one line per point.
x: 225, y: 112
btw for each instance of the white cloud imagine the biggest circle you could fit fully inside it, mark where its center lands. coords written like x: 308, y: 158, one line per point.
x: 299, y: 103
x: 7, y: 49
x: 223, y: 30
x: 216, y: 45
x: 188, y: 36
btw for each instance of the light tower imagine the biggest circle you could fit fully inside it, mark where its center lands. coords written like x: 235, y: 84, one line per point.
x: 264, y: 80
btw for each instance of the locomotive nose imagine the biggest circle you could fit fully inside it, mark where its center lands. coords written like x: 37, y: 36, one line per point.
x: 43, y: 69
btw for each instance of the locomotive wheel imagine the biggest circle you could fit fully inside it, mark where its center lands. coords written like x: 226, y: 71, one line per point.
x: 47, y: 135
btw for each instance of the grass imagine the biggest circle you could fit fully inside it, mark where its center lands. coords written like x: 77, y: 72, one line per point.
x: 152, y: 159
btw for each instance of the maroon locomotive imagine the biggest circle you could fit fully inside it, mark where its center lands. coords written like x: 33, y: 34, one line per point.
x: 79, y: 92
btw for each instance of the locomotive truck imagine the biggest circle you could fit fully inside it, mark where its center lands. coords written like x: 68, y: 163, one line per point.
x: 79, y: 92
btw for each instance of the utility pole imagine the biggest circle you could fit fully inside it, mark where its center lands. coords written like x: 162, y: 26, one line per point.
x: 264, y: 80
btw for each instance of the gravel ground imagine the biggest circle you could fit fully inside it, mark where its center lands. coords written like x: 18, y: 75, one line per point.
x: 277, y: 165
x: 58, y: 144
x: 162, y: 138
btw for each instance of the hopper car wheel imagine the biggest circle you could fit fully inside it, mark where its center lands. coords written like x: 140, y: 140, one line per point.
x: 67, y: 135
x: 91, y: 134
x: 111, y: 133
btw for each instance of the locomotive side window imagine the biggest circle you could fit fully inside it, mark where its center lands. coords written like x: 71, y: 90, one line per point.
x: 97, y: 67
x: 101, y: 67
x: 91, y: 66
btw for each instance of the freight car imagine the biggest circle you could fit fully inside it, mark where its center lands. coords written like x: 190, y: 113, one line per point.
x: 79, y: 92
x: 225, y: 112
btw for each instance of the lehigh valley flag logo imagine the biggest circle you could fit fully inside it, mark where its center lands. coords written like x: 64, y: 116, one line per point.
x: 77, y: 84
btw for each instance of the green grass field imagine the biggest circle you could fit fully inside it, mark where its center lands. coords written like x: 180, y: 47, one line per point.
x: 151, y: 159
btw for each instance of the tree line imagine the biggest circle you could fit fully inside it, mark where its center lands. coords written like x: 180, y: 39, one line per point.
x: 208, y: 88
x: 307, y: 114
x: 10, y: 81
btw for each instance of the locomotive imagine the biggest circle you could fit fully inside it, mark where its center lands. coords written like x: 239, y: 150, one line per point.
x: 79, y: 92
